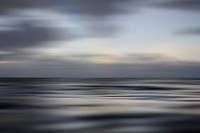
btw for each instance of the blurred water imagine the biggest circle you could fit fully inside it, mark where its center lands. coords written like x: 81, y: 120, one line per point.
x: 99, y: 106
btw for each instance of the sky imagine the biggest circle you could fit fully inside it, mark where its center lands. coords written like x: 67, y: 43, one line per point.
x: 100, y: 38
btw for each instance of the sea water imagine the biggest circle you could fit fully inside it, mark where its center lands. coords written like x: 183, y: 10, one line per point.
x: 104, y: 105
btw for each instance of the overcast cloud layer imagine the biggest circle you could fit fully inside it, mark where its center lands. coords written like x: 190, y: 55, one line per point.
x: 99, y: 38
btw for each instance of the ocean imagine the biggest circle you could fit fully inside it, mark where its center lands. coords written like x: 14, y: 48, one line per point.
x: 99, y: 105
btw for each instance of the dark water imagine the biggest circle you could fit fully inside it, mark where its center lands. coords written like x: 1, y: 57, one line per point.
x: 99, y: 106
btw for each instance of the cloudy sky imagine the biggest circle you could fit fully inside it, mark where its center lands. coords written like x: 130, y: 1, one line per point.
x: 99, y: 38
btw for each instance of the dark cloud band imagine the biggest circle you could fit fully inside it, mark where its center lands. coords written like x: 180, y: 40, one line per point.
x: 191, y: 31
x: 193, y: 5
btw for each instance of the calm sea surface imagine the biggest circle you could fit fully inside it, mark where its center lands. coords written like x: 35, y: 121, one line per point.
x: 99, y: 105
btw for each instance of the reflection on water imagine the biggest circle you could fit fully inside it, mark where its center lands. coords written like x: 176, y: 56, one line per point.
x: 99, y: 106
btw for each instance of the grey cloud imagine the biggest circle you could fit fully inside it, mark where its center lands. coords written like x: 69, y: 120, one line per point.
x: 60, y: 68
x: 149, y: 57
x: 24, y: 4
x: 83, y: 7
x: 54, y: 67
x: 190, y: 31
x: 16, y: 55
x: 193, y: 5
x: 102, y: 29
x: 98, y: 8
x: 127, y: 58
x: 89, y: 55
x: 26, y: 34
x: 94, y: 13
x: 7, y: 56
x: 98, y: 14
x: 141, y: 58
